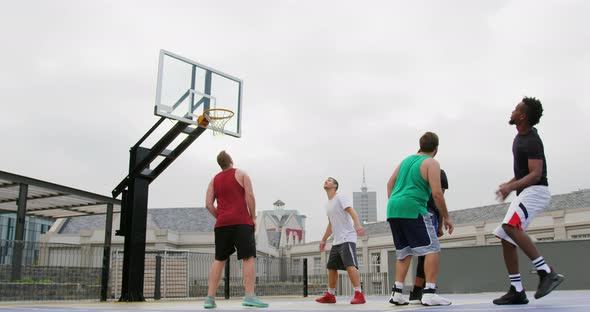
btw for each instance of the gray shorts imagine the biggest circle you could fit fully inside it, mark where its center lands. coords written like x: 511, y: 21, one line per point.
x: 342, y: 256
x: 414, y: 237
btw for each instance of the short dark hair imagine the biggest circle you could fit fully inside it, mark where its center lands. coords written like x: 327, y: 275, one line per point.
x: 428, y: 142
x: 335, y: 182
x: 224, y: 160
x: 534, y: 110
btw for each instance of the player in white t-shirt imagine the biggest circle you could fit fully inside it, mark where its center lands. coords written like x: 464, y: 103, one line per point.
x: 345, y: 225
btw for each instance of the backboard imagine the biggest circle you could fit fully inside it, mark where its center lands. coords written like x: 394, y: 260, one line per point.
x: 186, y: 88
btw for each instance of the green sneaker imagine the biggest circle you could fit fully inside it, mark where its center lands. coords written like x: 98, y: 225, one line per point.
x: 209, y: 303
x: 253, y: 302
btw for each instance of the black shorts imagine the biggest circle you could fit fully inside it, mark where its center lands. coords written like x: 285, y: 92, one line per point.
x: 342, y: 256
x: 414, y: 237
x: 232, y: 237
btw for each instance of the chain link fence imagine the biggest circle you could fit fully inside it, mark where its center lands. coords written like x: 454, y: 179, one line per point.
x: 31, y: 271
x: 185, y: 274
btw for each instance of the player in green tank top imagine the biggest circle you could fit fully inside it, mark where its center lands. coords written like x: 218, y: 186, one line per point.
x: 411, y: 191
x: 413, y: 233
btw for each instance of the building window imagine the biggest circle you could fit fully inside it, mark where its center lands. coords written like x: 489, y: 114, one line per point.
x: 545, y: 239
x: 359, y: 261
x: 10, y: 229
x: 580, y: 236
x: 375, y: 266
x: 296, y: 268
x: 317, y: 265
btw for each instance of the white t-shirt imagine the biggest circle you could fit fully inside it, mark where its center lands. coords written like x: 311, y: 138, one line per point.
x: 342, y: 224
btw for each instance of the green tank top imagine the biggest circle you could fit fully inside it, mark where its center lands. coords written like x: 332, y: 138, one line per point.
x: 411, y: 192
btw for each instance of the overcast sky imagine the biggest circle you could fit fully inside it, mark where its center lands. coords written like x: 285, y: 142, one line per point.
x: 329, y: 87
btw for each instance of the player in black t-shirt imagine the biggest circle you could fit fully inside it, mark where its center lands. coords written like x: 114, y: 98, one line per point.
x: 416, y: 294
x: 533, y: 196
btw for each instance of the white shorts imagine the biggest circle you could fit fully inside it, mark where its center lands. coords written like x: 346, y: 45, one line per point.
x: 523, y: 209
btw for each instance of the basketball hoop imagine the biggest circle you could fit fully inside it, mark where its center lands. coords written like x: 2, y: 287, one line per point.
x: 216, y: 118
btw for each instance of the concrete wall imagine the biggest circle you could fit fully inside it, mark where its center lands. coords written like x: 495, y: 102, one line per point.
x: 61, y: 274
x: 50, y: 283
x: 481, y: 268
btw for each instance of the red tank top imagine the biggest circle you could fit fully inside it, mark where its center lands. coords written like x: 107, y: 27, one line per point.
x: 231, y: 200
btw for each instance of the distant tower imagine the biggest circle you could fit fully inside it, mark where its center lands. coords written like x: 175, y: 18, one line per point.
x: 279, y: 207
x: 365, y: 202
x: 364, y: 184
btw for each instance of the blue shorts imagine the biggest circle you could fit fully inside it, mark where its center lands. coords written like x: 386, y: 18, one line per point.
x: 434, y: 217
x: 414, y: 237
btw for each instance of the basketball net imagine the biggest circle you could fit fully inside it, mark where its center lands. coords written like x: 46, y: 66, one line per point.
x: 217, y: 118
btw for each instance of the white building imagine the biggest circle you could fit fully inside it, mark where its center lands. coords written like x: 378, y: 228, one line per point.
x: 567, y: 218
x: 282, y: 232
x: 189, y: 229
x: 34, y: 228
x: 279, y: 228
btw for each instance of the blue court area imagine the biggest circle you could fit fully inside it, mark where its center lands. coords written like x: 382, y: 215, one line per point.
x: 567, y: 301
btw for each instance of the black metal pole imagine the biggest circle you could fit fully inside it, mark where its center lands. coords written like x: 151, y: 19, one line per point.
x: 106, y: 255
x: 125, y: 213
x: 157, y: 293
x: 226, y: 290
x: 19, y: 233
x: 135, y: 234
x: 305, y: 290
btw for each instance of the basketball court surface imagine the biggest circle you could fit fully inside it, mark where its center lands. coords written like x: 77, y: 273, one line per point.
x: 567, y: 301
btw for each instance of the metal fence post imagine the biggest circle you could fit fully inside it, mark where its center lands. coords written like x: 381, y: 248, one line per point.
x: 116, y: 279
x: 305, y: 290
x: 340, y: 286
x: 165, y: 273
x: 188, y: 272
x: 226, y: 290
x: 157, y: 293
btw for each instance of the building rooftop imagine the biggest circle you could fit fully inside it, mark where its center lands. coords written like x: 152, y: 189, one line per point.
x: 198, y: 219
x: 284, y: 215
x: 574, y: 200
x: 174, y: 219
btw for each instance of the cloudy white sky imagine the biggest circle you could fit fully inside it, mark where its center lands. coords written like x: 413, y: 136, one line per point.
x: 329, y: 87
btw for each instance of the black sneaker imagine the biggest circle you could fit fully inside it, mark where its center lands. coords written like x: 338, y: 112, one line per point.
x: 416, y: 295
x: 512, y: 297
x: 547, y: 282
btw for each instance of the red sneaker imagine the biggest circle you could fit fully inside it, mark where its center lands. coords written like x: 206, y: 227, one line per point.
x: 358, y: 298
x: 327, y: 298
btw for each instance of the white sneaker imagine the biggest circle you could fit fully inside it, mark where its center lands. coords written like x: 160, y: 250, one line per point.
x: 398, y: 298
x: 432, y: 299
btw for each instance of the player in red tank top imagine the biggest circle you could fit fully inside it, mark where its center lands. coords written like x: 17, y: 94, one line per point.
x: 235, y: 212
x: 231, y: 199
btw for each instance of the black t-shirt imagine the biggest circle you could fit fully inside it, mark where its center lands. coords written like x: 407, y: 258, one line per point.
x: 444, y: 183
x: 528, y: 146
